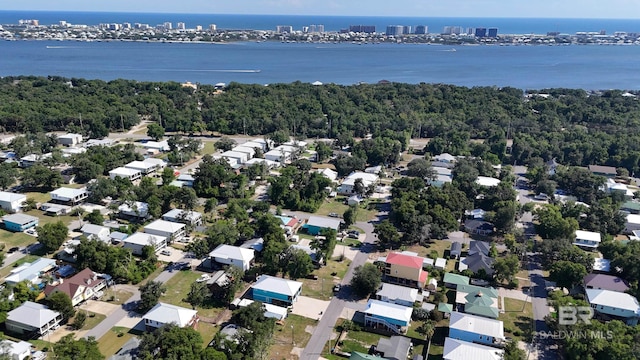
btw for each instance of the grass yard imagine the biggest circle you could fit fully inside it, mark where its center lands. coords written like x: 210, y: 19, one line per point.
x: 207, y: 331
x: 209, y: 148
x: 337, y: 206
x: 92, y: 321
x: 323, y: 287
x: 39, y: 344
x: 38, y: 196
x: 177, y: 289
x: 110, y: 343
x: 517, y: 322
x: 285, y: 336
x: 119, y: 296
x: 29, y: 258
x: 11, y: 239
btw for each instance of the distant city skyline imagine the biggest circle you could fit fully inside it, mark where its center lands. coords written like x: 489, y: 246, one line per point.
x: 595, y: 9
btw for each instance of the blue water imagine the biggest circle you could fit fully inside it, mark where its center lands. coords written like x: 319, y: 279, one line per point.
x: 526, y: 67
x: 331, y: 23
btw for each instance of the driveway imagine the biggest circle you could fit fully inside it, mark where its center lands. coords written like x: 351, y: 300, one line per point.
x: 176, y: 255
x: 310, y: 308
x: 99, y: 307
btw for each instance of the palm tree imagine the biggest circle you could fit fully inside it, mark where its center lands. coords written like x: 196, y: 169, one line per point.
x: 428, y: 328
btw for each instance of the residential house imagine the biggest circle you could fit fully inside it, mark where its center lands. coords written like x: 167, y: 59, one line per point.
x: 354, y: 200
x: 80, y: 287
x: 268, y: 163
x: 139, y: 240
x: 30, y: 272
x: 317, y: 257
x: 146, y: 167
x: 377, y: 170
x: 632, y: 207
x: 485, y: 181
x: 233, y: 255
x: 171, y: 230
x: 456, y: 250
x: 476, y: 329
x: 477, y: 300
x: 452, y: 280
x: 164, y: 314
x: 69, y: 196
x: 186, y: 179
x: 251, y: 152
x: 606, y: 171
x: 32, y: 159
x: 613, y: 305
x: 117, y: 237
x: 477, y: 263
x: 463, y: 350
x: 478, y: 227
x: 235, y: 157
x: 192, y: 218
x: 475, y: 214
x: 257, y: 244
x: 270, y: 310
x: 404, y: 269
x: 551, y: 166
x: 386, y: 316
x: 441, y: 263
x: 96, y: 232
x: 255, y: 145
x: 476, y: 247
x: 276, y: 291
x: 106, y: 142
x: 445, y: 158
x: 136, y: 210
x: 587, y: 239
x: 12, y: 202
x: 605, y: 282
x: 19, y: 222
x: 55, y: 209
x: 125, y: 173
x: 612, y: 186
x: 15, y: 350
x: 441, y: 176
x: 70, y: 139
x: 394, y: 348
x: 157, y: 146
x: 397, y: 294
x: 316, y: 224
x: 348, y: 185
x: 633, y: 223
x: 32, y: 319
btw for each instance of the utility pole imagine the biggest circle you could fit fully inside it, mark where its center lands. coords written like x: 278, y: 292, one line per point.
x: 80, y: 120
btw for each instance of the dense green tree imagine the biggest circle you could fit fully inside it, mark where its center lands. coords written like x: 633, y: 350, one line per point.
x: 323, y: 151
x: 420, y: 168
x: 52, y: 235
x: 155, y: 131
x: 149, y: 295
x: 349, y: 216
x: 199, y: 294
x: 61, y: 302
x: 171, y: 342
x: 225, y: 143
x: 299, y: 264
x: 506, y: 268
x: 8, y: 175
x: 553, y: 251
x: 388, y: 236
x: 551, y: 225
x: 567, y: 274
x: 94, y: 217
x: 68, y: 348
x: 366, y: 280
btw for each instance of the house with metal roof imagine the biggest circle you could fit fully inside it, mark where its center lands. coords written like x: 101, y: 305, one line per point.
x: 251, y: 152
x: 316, y: 224
x: 486, y: 181
x: 96, y: 232
x: 12, y: 202
x: 456, y: 250
x: 275, y: 290
x: 606, y: 171
x: 477, y: 300
x: 387, y: 316
x: 173, y: 231
x: 30, y: 272
x: 405, y: 269
x: 452, y: 280
x: 70, y: 139
x: 125, y: 173
x: 19, y: 222
x: 145, y: 167
x: 476, y: 246
x: 188, y: 217
x: 605, y: 282
x: 139, y: 240
x: 270, y: 310
x: 478, y: 227
x: 587, y: 239
x: 397, y: 294
x: 463, y: 350
x: 476, y: 329
x: 32, y: 319
x: 164, y: 314
x: 477, y: 262
x: 613, y: 305
x: 328, y: 173
x: 80, y: 287
x: 394, y: 348
x: 15, y: 350
x: 69, y: 196
x: 362, y: 356
x: 137, y: 209
x: 233, y: 255
x: 348, y: 185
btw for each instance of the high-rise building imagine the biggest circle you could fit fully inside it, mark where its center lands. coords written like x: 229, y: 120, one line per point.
x: 452, y: 30
x: 493, y: 32
x: 320, y: 28
x: 394, y: 30
x: 421, y: 29
x: 368, y: 29
x: 126, y: 25
x: 481, y: 32
x: 281, y: 29
x: 167, y: 26
x: 212, y: 27
x: 406, y: 29
x: 310, y: 28
x: 198, y: 27
x: 181, y: 26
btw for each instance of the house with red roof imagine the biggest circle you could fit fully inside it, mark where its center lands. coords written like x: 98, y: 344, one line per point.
x: 82, y: 286
x: 405, y: 269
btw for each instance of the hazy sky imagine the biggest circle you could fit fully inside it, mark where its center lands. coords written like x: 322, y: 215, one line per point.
x: 419, y: 8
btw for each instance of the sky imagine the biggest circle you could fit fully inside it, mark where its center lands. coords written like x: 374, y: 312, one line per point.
x: 613, y: 9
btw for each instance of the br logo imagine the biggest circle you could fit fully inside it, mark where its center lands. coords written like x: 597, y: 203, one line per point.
x: 571, y: 315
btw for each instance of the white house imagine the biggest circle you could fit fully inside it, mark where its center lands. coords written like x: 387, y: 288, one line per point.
x: 157, y: 145
x: 487, y: 181
x: 348, y: 185
x: 139, y: 240
x: 15, y: 350
x: 31, y: 318
x: 171, y: 230
x: 587, y: 239
x: 395, y: 318
x: 463, y: 350
x: 397, y: 294
x: 70, y: 139
x: 163, y: 314
x: 251, y: 152
x: 268, y: 163
x: 233, y: 255
x: 613, y: 305
x: 96, y: 232
x: 30, y: 272
x: 328, y: 173
x: 12, y: 202
x: 234, y: 157
x: 137, y: 209
x: 476, y: 329
x: 99, y: 142
x: 192, y: 218
x: 270, y: 311
x: 125, y: 173
x: 255, y: 145
x: 633, y: 223
x: 278, y: 155
x: 32, y: 159
x: 69, y: 196
x: 144, y: 167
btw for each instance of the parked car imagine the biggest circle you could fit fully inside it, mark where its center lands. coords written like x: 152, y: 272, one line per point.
x: 13, y: 249
x: 352, y: 236
x: 334, y: 215
x: 353, y: 232
x: 165, y: 252
x: 203, y: 278
x: 336, y: 288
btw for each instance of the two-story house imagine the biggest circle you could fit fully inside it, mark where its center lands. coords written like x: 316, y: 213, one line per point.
x: 612, y: 305
x: 405, y: 269
x: 476, y: 329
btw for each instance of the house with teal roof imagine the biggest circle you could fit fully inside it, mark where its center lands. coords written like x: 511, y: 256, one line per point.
x: 477, y: 300
x: 452, y: 280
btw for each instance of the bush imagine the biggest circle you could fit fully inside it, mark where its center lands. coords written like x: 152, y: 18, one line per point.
x: 439, y: 297
x: 420, y: 314
x: 79, y: 320
x: 437, y: 315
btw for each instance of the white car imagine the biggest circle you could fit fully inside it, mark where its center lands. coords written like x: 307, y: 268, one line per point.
x: 203, y: 278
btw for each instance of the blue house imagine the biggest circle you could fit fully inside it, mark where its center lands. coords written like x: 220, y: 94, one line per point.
x: 276, y: 291
x: 476, y: 329
x: 612, y: 305
x: 316, y: 224
x: 19, y: 222
x: 387, y: 316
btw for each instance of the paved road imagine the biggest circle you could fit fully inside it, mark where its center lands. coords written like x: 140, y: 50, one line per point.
x: 9, y: 259
x: 127, y: 309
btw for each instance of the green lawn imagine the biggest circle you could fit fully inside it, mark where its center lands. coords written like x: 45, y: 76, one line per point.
x: 517, y: 318
x: 177, y: 289
x: 323, y: 287
x: 91, y: 322
x: 11, y: 239
x: 117, y: 296
x: 110, y: 342
x: 207, y: 331
x: 209, y: 148
x: 337, y: 206
x: 285, y: 336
